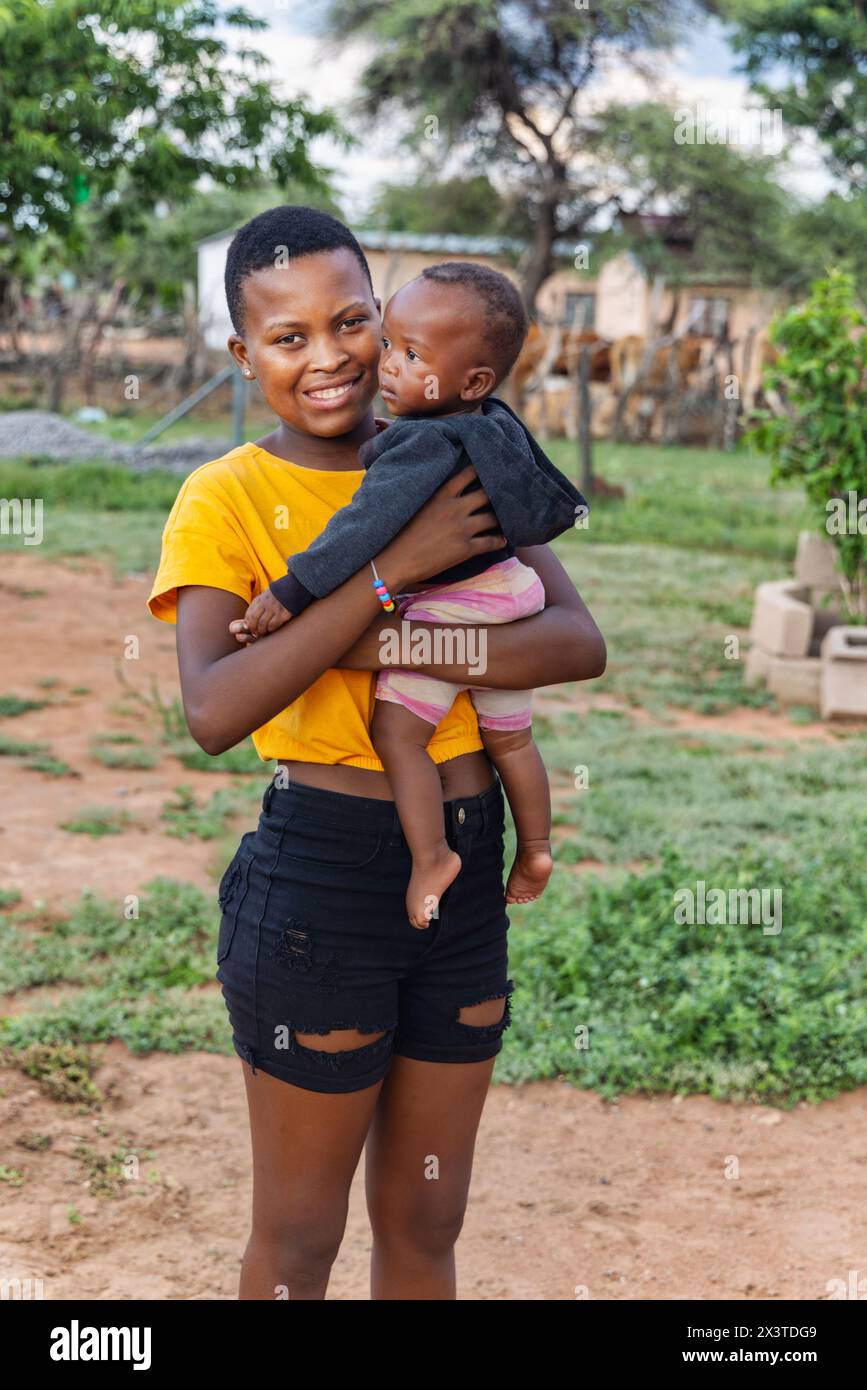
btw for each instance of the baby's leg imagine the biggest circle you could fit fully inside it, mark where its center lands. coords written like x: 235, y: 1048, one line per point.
x: 400, y: 739
x: 522, y: 772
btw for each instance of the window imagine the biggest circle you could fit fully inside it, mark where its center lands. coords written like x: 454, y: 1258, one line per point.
x: 578, y: 310
x: 709, y: 318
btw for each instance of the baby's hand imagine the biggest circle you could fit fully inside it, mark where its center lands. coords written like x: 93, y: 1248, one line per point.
x: 265, y: 614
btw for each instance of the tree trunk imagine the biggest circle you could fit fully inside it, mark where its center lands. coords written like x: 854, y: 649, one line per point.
x: 540, y: 262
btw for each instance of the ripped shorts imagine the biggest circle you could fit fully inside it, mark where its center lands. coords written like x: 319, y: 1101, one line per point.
x: 314, y: 937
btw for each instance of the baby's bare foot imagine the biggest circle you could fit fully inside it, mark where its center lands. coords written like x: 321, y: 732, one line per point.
x: 429, y: 880
x: 530, y: 872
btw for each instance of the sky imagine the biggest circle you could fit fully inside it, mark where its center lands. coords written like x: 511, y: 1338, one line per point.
x: 702, y: 70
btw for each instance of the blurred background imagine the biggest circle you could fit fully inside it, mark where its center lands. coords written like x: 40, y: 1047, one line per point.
x: 678, y: 188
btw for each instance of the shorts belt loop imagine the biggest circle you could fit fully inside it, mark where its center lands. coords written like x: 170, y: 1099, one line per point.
x: 268, y: 797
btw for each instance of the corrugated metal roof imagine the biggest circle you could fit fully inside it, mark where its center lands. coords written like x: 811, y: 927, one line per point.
x: 449, y: 242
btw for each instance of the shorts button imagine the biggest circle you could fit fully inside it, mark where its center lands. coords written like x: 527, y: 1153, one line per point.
x: 462, y: 815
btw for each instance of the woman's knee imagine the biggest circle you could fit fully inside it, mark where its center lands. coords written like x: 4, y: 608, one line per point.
x: 427, y: 1229
x: 303, y: 1249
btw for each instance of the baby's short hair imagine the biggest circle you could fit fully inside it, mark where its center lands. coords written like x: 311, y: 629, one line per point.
x: 291, y: 231
x: 506, y: 324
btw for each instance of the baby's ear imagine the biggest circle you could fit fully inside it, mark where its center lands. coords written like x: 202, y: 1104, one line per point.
x: 478, y: 383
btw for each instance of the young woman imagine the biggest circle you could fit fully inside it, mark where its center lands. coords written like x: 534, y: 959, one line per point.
x: 353, y: 1026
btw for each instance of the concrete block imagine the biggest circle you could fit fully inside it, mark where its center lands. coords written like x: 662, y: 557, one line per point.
x: 758, y: 665
x: 844, y: 673
x: 816, y: 562
x: 794, y: 680
x: 782, y: 618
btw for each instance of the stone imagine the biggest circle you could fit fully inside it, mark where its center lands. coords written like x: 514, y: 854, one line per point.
x: 816, y: 562
x: 843, y: 689
x: 782, y: 618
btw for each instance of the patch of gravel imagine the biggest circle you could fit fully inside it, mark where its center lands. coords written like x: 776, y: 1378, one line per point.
x: 39, y: 433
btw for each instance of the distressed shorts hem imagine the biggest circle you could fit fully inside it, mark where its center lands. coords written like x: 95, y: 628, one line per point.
x: 327, y: 1084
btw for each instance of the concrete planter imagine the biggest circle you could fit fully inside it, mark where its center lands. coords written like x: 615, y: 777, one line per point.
x: 800, y: 646
x: 843, y: 691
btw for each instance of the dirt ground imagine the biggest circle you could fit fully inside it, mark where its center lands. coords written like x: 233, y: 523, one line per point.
x: 572, y: 1196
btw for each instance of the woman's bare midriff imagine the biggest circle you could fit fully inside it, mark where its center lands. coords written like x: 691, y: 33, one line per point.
x: 467, y: 775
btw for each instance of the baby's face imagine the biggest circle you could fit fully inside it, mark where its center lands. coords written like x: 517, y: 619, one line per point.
x: 431, y: 347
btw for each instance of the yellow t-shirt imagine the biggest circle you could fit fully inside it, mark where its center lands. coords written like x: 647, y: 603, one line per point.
x: 233, y: 525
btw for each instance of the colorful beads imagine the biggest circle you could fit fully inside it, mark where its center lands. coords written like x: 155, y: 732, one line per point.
x: 381, y: 591
x: 382, y: 594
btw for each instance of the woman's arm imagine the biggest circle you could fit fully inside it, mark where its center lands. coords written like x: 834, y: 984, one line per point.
x: 230, y: 690
x: 562, y: 643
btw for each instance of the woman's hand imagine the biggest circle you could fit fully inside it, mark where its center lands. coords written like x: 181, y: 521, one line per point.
x: 444, y: 532
x: 562, y: 643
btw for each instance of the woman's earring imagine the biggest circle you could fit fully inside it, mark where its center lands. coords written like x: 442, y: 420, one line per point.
x: 247, y: 372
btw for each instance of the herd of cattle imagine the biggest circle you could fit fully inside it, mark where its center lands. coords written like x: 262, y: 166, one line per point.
x: 686, y: 389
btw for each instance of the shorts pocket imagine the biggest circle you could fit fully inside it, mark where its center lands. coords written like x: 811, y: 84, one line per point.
x: 230, y: 895
x: 305, y: 841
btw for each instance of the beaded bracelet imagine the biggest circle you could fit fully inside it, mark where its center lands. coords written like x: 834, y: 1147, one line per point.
x: 382, y: 593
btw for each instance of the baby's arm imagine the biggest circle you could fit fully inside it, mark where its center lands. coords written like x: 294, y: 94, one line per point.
x: 413, y: 463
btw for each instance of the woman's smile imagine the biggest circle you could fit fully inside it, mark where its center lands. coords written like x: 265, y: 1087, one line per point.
x: 336, y: 393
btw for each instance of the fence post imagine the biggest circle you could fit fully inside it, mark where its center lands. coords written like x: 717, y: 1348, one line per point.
x: 585, y: 438
x: 239, y: 402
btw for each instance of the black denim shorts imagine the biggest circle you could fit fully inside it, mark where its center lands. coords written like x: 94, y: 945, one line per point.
x: 314, y: 936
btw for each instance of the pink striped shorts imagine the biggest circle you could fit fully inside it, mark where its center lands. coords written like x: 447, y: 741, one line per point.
x: 506, y: 591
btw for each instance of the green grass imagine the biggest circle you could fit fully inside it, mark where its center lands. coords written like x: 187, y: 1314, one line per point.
x: 129, y: 428
x: 107, y: 487
x: 666, y: 615
x: 98, y: 821
x: 135, y: 978
x: 188, y: 818
x: 124, y: 752
x: 14, y: 748
x: 701, y: 793
x: 12, y: 705
x: 723, y: 1010
x: 695, y: 499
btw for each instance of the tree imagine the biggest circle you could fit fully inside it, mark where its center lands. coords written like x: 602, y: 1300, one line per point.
x: 824, y: 46
x: 158, y: 261
x: 472, y: 206
x: 738, y: 220
x: 509, y: 79
x: 822, y: 439
x: 116, y: 105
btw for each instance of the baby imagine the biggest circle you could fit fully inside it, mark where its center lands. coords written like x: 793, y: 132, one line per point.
x: 449, y: 337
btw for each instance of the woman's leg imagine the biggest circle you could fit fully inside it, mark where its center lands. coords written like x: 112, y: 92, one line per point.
x: 306, y: 1146
x: 418, y: 1165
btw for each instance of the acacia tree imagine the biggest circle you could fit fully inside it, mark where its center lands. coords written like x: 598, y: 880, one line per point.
x: 119, y: 104
x: 822, y: 48
x: 510, y: 81
x: 111, y: 107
